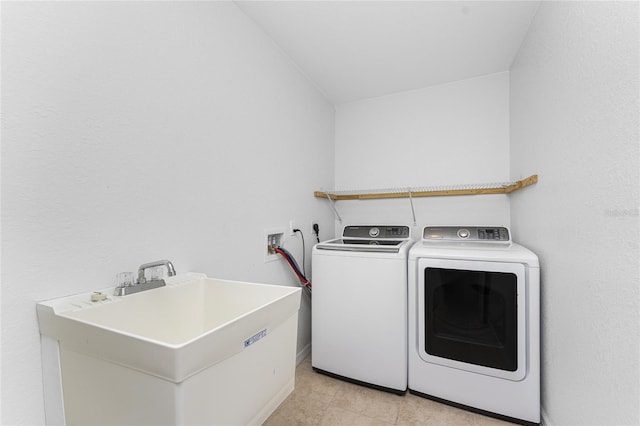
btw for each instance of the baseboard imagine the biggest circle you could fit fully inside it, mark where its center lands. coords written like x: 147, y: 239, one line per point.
x: 303, y: 353
x: 545, y: 418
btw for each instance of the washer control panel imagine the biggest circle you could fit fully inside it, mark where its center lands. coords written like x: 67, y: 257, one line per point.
x: 376, y: 232
x: 466, y: 233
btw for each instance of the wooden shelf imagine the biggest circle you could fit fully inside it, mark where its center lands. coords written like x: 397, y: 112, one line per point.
x: 471, y: 189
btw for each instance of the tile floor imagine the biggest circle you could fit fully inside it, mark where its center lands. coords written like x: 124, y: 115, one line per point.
x: 322, y: 400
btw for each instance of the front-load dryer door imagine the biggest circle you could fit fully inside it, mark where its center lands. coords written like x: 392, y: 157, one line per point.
x: 472, y: 316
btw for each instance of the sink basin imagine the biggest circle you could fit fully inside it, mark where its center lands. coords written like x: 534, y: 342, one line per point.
x: 173, y: 345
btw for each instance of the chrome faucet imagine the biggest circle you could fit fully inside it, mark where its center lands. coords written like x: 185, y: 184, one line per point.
x: 170, y: 270
x: 141, y: 283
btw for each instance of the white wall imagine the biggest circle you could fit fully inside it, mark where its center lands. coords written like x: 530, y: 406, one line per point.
x: 139, y: 131
x: 574, y: 121
x: 455, y: 133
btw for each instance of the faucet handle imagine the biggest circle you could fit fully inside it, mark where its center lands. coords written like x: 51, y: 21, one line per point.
x: 125, y: 279
x: 154, y: 273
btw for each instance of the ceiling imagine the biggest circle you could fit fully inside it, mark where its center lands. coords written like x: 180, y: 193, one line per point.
x: 353, y: 50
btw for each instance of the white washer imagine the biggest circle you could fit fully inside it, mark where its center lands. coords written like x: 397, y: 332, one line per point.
x: 474, y: 322
x: 359, y: 306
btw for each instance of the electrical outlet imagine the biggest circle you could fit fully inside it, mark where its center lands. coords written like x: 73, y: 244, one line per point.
x: 292, y: 226
x: 273, y: 239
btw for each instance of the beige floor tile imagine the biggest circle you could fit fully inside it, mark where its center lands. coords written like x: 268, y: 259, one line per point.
x: 316, y: 385
x: 297, y: 409
x: 369, y: 402
x: 322, y: 400
x: 335, y: 416
x: 309, y: 400
x: 416, y: 411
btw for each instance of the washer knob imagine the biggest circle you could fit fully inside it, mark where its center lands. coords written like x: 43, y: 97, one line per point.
x: 463, y: 233
x: 374, y: 232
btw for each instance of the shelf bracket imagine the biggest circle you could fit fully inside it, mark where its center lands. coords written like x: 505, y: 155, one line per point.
x: 333, y: 206
x: 413, y: 211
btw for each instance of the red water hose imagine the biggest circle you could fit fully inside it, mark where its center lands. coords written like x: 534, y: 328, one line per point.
x: 293, y: 266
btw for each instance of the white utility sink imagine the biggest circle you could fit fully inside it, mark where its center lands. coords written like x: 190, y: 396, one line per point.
x: 197, y: 351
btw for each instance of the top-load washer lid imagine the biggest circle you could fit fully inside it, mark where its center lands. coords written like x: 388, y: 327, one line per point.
x: 369, y: 238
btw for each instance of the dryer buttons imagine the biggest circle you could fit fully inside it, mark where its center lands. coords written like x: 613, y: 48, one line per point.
x: 463, y: 233
x: 374, y: 232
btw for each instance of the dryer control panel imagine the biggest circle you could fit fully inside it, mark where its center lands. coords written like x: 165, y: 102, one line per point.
x: 466, y: 233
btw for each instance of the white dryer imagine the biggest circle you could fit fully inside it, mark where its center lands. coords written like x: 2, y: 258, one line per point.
x: 359, y: 306
x: 474, y: 322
